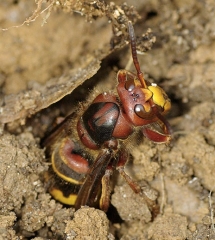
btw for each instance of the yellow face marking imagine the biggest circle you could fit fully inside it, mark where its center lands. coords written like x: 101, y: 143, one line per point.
x: 167, y: 106
x: 147, y: 93
x: 137, y: 83
x: 160, y: 98
x: 58, y: 195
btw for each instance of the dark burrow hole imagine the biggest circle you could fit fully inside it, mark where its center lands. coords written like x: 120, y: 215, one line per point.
x: 151, y: 14
x: 179, y: 108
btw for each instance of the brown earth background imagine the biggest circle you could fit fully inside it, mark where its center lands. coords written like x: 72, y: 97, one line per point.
x: 52, y: 55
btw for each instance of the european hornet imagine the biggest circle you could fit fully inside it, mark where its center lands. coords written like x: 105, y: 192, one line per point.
x: 89, y: 145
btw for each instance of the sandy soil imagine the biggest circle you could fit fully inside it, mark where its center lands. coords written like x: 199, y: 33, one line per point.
x: 51, y: 57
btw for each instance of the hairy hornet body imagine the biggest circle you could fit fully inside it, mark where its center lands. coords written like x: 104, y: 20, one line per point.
x: 88, y: 145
